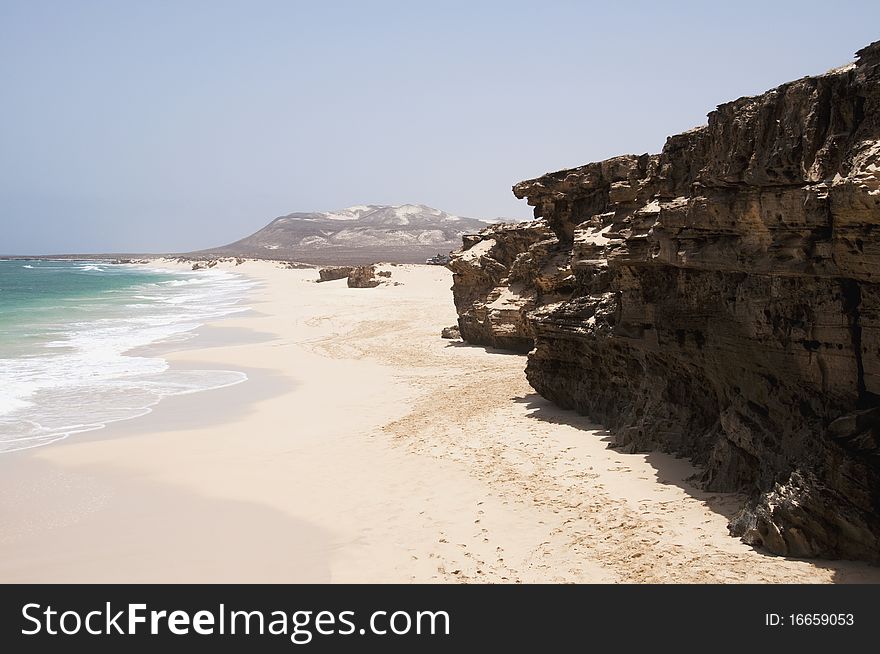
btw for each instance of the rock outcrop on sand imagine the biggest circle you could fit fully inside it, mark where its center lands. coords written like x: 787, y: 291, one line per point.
x: 363, y: 277
x: 357, y: 276
x: 332, y: 273
x: 719, y: 300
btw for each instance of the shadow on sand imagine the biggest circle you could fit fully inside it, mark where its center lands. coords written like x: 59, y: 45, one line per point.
x: 680, y: 472
x: 486, y: 348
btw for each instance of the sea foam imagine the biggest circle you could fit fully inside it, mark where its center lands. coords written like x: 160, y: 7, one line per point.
x: 89, y: 367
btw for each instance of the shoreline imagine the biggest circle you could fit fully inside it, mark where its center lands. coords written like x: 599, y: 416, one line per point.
x: 150, y: 344
x: 364, y: 448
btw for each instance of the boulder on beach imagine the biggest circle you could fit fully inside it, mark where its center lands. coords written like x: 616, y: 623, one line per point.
x: 332, y: 273
x: 363, y: 277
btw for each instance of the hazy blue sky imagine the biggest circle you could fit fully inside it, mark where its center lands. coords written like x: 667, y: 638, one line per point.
x: 186, y: 124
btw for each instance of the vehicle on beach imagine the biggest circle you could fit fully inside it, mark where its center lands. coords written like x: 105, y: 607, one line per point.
x: 438, y: 260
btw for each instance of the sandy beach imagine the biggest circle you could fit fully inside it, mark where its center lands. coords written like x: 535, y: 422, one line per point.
x: 364, y: 448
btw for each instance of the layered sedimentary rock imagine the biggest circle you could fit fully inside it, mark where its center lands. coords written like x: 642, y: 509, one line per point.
x: 496, y: 282
x: 720, y: 300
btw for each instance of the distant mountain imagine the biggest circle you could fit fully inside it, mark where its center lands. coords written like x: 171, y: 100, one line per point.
x: 407, y: 233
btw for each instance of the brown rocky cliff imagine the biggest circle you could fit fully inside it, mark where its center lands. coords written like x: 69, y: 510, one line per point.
x: 719, y: 300
x: 491, y: 290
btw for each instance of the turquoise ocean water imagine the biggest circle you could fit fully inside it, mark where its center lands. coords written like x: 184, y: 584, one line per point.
x: 70, y: 332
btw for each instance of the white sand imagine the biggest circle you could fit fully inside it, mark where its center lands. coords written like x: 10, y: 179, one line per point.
x: 364, y: 448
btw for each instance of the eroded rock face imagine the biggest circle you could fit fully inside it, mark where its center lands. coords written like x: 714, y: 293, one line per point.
x: 722, y: 302
x: 494, y: 283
